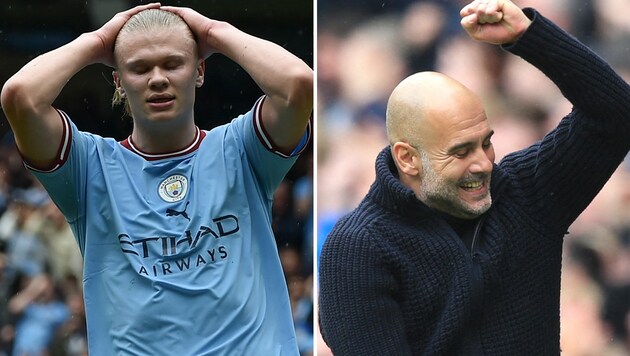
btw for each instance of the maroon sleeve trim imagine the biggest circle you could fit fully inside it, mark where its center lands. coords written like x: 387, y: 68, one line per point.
x: 265, y: 138
x: 64, y: 147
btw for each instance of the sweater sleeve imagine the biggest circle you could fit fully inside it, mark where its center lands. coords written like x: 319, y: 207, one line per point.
x: 559, y: 176
x: 356, y: 300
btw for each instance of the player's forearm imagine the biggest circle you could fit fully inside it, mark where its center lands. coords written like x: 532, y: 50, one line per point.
x: 34, y: 88
x: 281, y: 75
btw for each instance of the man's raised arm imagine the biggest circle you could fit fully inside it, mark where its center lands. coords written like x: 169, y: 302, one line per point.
x: 284, y: 78
x: 28, y: 95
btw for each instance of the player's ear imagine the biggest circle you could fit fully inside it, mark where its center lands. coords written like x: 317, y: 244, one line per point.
x: 119, y: 88
x: 201, y: 70
x: 116, y: 78
x: 407, y: 159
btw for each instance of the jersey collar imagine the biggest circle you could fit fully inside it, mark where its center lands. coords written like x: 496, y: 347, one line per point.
x: 194, y: 145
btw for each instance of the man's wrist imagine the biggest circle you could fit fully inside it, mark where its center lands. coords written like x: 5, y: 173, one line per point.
x: 92, y: 49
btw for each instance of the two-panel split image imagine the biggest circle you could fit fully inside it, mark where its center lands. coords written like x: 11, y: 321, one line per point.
x: 416, y: 177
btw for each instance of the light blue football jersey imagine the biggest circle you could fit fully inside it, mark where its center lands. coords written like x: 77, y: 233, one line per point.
x: 179, y: 254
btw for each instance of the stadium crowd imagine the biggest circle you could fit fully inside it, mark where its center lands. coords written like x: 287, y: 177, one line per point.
x: 366, y: 48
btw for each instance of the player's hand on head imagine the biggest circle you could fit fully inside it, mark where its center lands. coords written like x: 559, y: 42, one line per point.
x: 200, y: 25
x: 494, y: 21
x: 109, y: 31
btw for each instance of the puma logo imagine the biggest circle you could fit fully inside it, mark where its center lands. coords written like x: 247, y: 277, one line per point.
x: 173, y: 212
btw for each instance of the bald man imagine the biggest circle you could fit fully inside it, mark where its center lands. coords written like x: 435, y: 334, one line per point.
x: 432, y: 144
x: 450, y: 253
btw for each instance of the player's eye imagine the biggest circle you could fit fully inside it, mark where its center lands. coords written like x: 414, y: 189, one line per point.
x: 140, y: 69
x: 172, y: 65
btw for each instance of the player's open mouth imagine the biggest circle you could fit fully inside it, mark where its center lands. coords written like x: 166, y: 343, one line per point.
x: 160, y: 99
x: 161, y: 102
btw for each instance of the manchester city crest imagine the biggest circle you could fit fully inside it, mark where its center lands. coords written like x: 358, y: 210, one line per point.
x: 173, y: 188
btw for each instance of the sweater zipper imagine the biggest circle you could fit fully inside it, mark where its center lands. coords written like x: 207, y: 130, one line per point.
x: 474, y: 239
x: 477, y: 291
x: 477, y: 274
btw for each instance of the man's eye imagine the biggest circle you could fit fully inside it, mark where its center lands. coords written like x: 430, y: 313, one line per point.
x: 461, y: 153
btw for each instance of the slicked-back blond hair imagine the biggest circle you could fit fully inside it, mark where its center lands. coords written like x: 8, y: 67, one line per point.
x: 147, y: 21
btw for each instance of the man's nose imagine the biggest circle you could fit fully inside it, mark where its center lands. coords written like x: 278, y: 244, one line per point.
x: 158, y: 79
x: 482, y: 162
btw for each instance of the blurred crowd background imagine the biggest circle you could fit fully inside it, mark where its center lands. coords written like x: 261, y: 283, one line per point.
x: 364, y: 48
x: 41, y: 303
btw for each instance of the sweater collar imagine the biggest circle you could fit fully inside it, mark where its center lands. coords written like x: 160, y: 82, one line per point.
x: 389, y: 192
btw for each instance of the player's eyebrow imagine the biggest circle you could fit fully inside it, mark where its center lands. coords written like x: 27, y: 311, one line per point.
x: 468, y: 144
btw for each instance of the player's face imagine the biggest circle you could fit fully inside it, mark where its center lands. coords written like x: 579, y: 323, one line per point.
x: 159, y: 72
x: 457, y: 168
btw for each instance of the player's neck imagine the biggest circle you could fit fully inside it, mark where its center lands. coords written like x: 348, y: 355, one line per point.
x: 163, y: 138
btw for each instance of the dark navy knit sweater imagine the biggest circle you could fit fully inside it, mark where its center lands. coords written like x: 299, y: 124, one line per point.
x: 395, y: 279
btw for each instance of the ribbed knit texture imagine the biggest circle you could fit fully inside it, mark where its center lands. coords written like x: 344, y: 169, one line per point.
x: 395, y: 279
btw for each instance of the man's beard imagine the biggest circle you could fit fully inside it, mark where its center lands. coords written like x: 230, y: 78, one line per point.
x: 441, y: 194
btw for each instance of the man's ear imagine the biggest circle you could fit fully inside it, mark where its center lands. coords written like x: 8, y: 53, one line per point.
x: 407, y: 159
x: 119, y: 87
x: 201, y: 70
